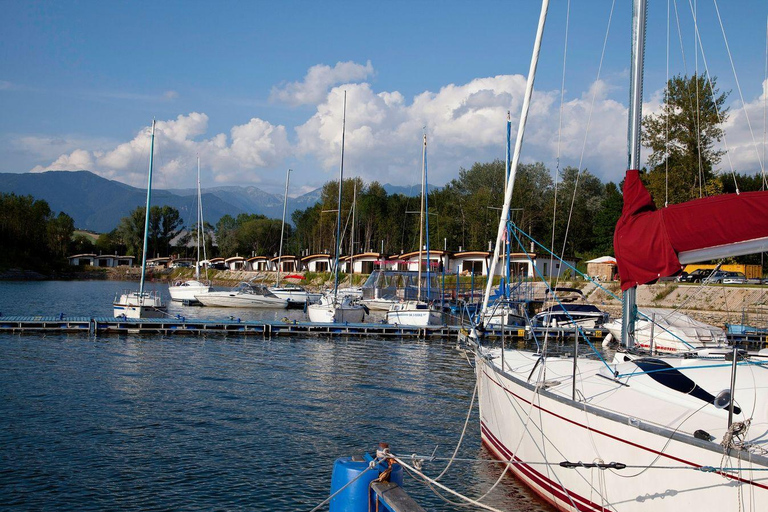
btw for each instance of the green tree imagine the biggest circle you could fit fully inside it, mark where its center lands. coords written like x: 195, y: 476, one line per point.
x: 60, y: 229
x: 682, y: 140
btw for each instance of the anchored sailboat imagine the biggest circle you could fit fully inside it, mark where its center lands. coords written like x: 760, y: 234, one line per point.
x: 637, y: 432
x: 334, y: 307
x: 418, y: 312
x: 142, y: 304
x: 187, y: 290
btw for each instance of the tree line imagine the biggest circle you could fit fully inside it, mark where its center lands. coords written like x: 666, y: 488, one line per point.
x: 31, y: 234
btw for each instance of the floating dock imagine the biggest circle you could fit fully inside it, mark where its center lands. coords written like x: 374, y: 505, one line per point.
x: 264, y: 329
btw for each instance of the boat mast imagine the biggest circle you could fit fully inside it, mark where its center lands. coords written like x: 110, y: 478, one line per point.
x: 629, y: 304
x: 338, y: 211
x: 421, y: 211
x: 352, y: 236
x: 199, y: 220
x: 200, y: 224
x: 507, y: 242
x: 146, y: 212
x: 282, y: 227
x: 516, y: 156
x: 426, y: 217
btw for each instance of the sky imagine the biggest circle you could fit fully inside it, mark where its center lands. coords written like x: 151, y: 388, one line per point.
x: 256, y: 87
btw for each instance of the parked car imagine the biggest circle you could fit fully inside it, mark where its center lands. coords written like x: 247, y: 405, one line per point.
x: 219, y: 266
x: 716, y: 277
x: 181, y: 264
x: 734, y: 278
x: 696, y: 276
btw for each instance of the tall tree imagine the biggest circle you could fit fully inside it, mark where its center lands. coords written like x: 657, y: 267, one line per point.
x: 682, y: 140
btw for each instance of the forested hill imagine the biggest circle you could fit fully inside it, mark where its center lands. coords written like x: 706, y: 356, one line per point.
x: 98, y: 204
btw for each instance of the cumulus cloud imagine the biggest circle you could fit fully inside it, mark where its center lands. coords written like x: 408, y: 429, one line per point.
x: 256, y: 144
x: 465, y: 124
x: 318, y: 80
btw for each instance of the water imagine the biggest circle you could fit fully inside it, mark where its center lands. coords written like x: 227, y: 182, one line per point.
x: 219, y: 423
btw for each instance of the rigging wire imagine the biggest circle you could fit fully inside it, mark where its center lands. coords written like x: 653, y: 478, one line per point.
x: 586, y: 133
x: 738, y: 88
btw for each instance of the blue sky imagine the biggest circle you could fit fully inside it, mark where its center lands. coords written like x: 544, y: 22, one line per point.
x: 256, y: 87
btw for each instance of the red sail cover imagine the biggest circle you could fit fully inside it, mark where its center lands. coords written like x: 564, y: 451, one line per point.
x: 647, y: 241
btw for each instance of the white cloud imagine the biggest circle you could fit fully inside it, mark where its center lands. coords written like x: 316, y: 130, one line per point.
x: 170, y: 95
x: 251, y: 146
x: 465, y: 124
x: 318, y: 80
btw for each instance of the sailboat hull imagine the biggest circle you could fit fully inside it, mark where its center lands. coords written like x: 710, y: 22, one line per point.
x: 137, y: 305
x: 540, y: 429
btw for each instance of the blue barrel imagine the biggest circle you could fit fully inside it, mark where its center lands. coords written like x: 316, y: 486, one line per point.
x: 355, y: 497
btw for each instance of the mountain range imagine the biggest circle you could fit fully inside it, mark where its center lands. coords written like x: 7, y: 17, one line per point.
x: 97, y: 204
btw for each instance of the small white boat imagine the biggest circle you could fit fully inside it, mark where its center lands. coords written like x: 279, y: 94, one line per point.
x: 670, y: 331
x: 244, y: 295
x: 342, y: 309
x: 142, y: 303
x: 187, y: 290
x: 413, y: 312
x: 295, y: 294
x: 570, y: 316
x: 339, y: 305
x: 133, y: 304
x: 418, y: 312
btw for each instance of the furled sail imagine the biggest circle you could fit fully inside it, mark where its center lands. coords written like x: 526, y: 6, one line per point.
x: 651, y: 243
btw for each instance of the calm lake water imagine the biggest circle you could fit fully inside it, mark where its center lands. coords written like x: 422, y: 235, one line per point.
x: 219, y: 423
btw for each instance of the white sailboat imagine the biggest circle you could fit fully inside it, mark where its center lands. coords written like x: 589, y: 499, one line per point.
x: 187, y: 290
x: 636, y: 433
x: 142, y: 303
x: 293, y: 293
x: 418, y: 312
x: 335, y: 307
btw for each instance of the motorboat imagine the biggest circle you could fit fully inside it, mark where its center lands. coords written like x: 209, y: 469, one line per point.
x: 295, y: 294
x: 186, y: 291
x: 244, y: 295
x: 570, y: 316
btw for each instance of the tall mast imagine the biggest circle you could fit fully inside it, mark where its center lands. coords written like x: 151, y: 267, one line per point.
x: 201, y: 223
x: 516, y: 155
x: 507, y: 269
x: 146, y: 211
x: 352, y: 236
x: 199, y: 220
x: 421, y: 210
x: 426, y: 216
x: 282, y: 227
x: 629, y: 305
x: 338, y: 211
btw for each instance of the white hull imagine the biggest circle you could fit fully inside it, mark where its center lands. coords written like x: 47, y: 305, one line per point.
x: 675, y: 333
x: 341, y: 311
x: 136, y: 305
x: 413, y: 313
x: 380, y: 304
x: 642, y: 424
x: 296, y: 295
x: 238, y: 300
x: 188, y: 290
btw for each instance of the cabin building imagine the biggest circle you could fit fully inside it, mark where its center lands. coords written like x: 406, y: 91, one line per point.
x: 317, y: 263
